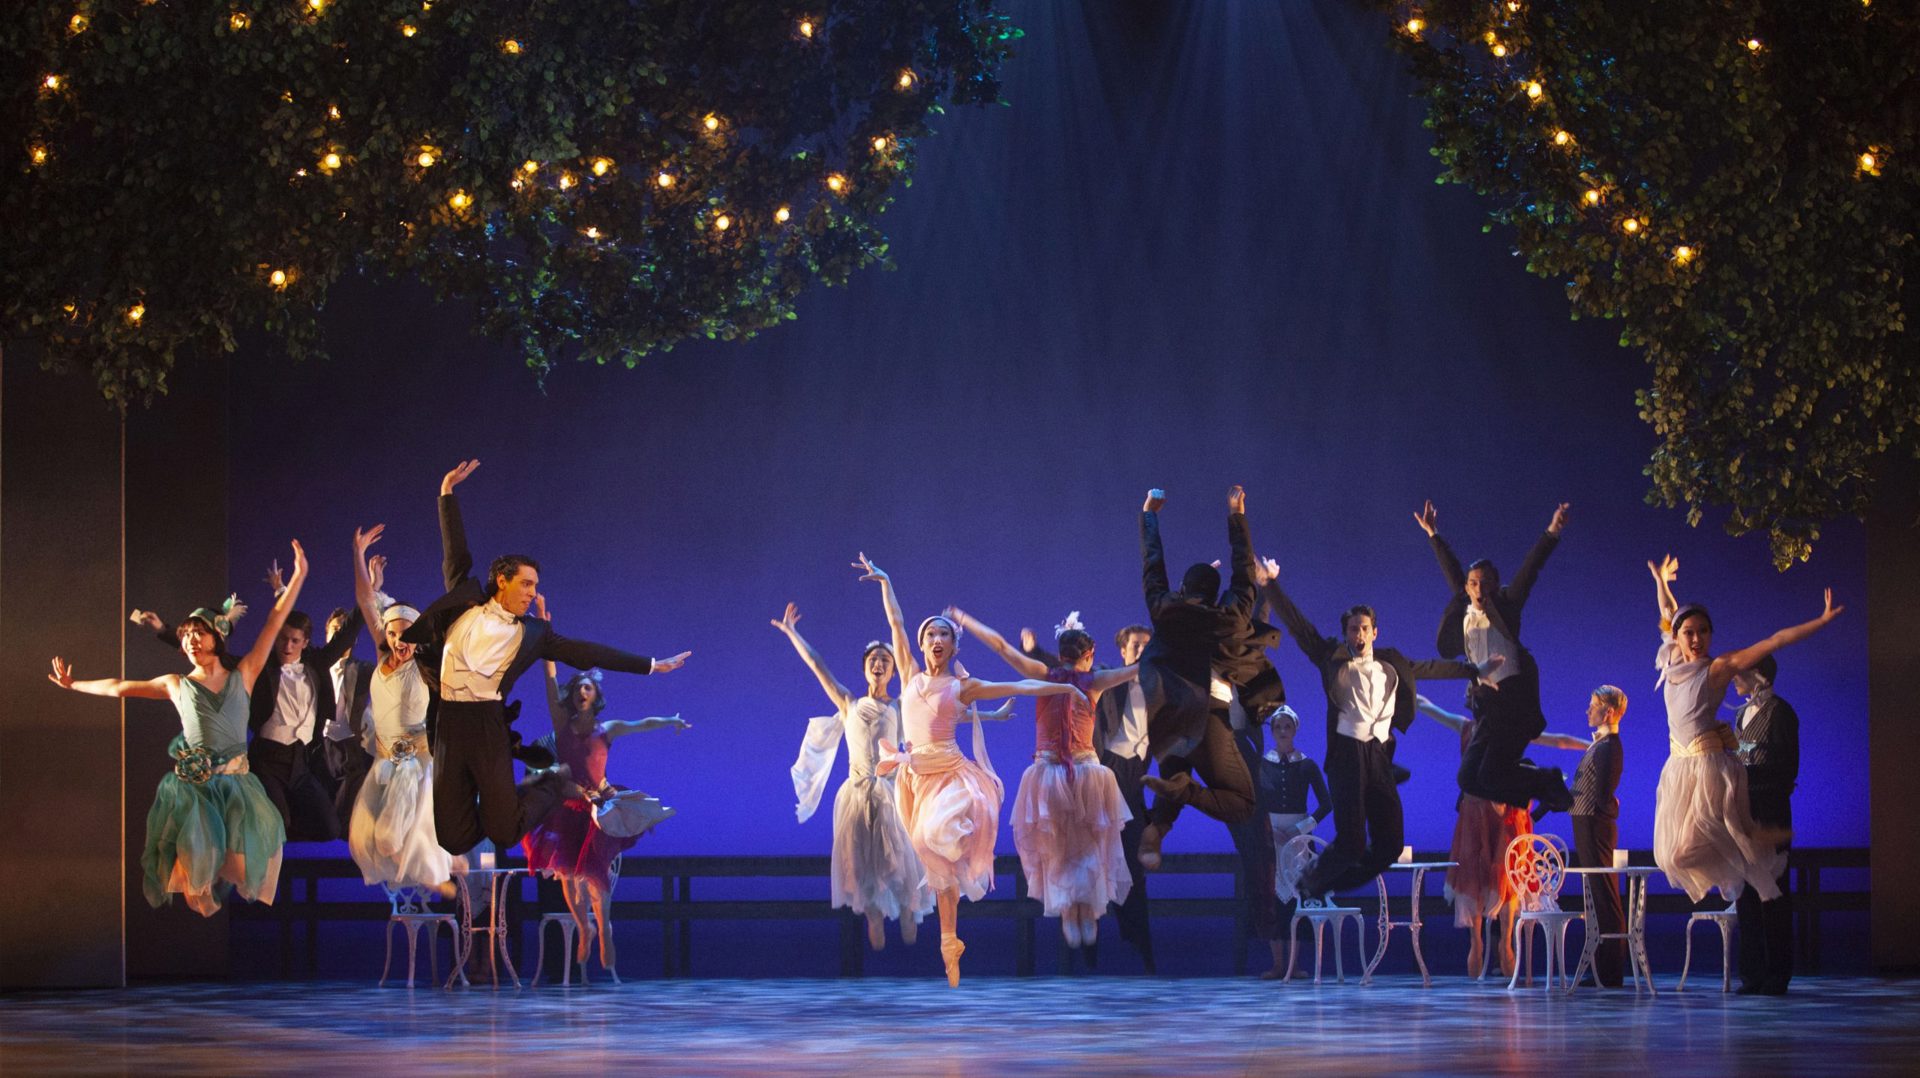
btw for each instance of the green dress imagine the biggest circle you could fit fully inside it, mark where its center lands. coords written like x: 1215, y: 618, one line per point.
x: 211, y: 827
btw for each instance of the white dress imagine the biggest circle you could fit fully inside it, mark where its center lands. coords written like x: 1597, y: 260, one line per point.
x: 391, y: 834
x: 874, y: 866
x: 1704, y: 834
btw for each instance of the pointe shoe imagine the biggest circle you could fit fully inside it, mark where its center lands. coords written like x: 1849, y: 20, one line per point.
x: 950, y: 951
x: 1149, y: 854
x: 1070, y: 931
x: 909, y: 930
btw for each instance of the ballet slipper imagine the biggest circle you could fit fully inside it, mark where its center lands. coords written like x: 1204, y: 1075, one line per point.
x: 1070, y: 929
x: 950, y: 951
x: 1089, y: 928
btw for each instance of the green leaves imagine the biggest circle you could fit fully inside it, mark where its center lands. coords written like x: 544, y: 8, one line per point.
x: 1765, y: 274
x: 188, y: 159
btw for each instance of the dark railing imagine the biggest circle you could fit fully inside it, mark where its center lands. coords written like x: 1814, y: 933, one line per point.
x: 677, y: 908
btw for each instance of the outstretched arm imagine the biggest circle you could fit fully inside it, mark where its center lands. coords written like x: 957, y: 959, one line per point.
x: 1107, y: 679
x: 256, y: 658
x: 456, y: 561
x: 363, y: 585
x: 975, y: 689
x: 1429, y: 520
x: 1664, y: 574
x: 1241, y: 595
x: 1314, y: 646
x: 1449, y: 719
x: 787, y: 623
x: 1561, y: 741
x: 1524, y: 578
x: 155, y: 689
x: 1749, y: 657
x: 340, y: 644
x: 557, y: 711
x: 618, y: 728
x: 1023, y: 665
x: 896, y: 622
x: 1153, y: 559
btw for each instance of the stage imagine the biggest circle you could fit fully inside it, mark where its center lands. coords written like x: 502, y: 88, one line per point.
x: 1073, y: 1025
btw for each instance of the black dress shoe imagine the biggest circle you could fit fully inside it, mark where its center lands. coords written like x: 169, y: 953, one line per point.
x: 1773, y: 987
x: 1400, y: 775
x: 1556, y: 796
x: 1748, y: 988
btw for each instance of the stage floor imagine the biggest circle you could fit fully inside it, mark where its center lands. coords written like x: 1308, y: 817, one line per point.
x: 1073, y: 1025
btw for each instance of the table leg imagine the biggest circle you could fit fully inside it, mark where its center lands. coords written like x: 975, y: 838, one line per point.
x: 1637, y: 927
x: 463, y: 932
x: 1590, y: 922
x: 1413, y: 926
x: 502, y: 887
x: 1386, y: 931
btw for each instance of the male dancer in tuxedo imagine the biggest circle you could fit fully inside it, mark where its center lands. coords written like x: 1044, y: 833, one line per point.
x: 292, y: 703
x: 1193, y: 629
x: 1770, y: 744
x: 1596, y: 825
x: 1482, y: 620
x: 1120, y: 736
x: 344, y: 750
x: 480, y: 640
x: 1370, y: 693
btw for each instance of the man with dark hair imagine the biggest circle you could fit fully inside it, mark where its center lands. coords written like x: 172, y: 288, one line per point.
x: 1483, y: 619
x: 1193, y: 629
x: 1770, y: 746
x: 1120, y: 736
x: 478, y: 641
x: 292, y: 702
x: 1370, y: 694
x: 1596, y: 825
x: 344, y: 749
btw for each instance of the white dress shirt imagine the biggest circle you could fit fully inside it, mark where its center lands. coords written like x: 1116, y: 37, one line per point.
x: 1129, y: 739
x: 1484, y: 641
x: 480, y: 644
x: 1366, y: 688
x: 340, y: 726
x: 292, y: 720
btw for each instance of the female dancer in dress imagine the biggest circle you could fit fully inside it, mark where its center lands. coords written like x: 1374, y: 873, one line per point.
x: 570, y: 844
x: 1068, y: 812
x: 1281, y: 778
x: 1704, y: 834
x: 1477, y: 884
x: 211, y: 828
x: 949, y: 804
x: 875, y: 872
x: 390, y: 832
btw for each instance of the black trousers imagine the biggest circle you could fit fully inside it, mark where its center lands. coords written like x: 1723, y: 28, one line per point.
x: 472, y: 758
x: 1593, y: 842
x: 299, y: 792
x: 1766, y: 928
x: 1228, y: 793
x: 347, y: 765
x: 1504, y: 721
x: 1369, y: 826
x: 1132, y: 914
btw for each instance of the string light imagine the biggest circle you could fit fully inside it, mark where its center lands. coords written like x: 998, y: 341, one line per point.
x: 1683, y: 254
x: 781, y: 215
x: 1534, y: 89
x: 136, y: 312
x: 1513, y: 6
x: 1499, y: 50
x: 407, y: 29
x: 510, y: 47
x: 279, y: 278
x: 52, y: 83
x: 592, y: 232
x: 711, y: 122
x: 664, y: 179
x: 426, y: 158
x: 39, y: 155
x: 239, y: 20
x: 602, y: 165
x: 1415, y: 25
x: 1592, y: 196
x: 517, y: 183
x: 460, y: 200
x: 1870, y: 160
x: 318, y: 6
x: 566, y: 181
x: 907, y: 79
x: 1562, y: 137
x: 77, y: 24
x: 722, y: 223
x: 330, y: 162
x: 880, y: 144
x: 530, y: 166
x: 333, y: 112
x: 1753, y: 44
x: 806, y: 28
x: 836, y: 182
x: 1631, y: 226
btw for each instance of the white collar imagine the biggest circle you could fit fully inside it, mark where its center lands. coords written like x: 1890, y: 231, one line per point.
x: 1606, y: 731
x: 294, y: 669
x: 493, y: 609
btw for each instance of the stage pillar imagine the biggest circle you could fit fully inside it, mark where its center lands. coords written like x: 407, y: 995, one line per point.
x: 1893, y: 689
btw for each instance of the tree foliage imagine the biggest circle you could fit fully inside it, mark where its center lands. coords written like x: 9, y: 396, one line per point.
x: 1734, y: 180
x: 602, y: 177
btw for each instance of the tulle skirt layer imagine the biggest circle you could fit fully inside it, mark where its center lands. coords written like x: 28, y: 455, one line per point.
x: 207, y: 839
x: 950, y: 806
x: 874, y: 865
x: 391, y: 833
x: 1478, y: 885
x: 1704, y: 834
x: 1067, y: 830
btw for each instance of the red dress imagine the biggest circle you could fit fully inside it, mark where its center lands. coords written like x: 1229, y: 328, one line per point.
x: 1478, y: 885
x: 1069, y: 812
x: 569, y: 842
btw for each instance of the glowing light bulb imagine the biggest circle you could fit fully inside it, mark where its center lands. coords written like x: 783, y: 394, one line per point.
x: 592, y: 232
x: 1499, y: 50
x: 460, y: 200
x: 136, y: 312
x: 330, y: 162
x: 1490, y: 37
x: 39, y: 155
x: 1592, y: 196
x: 782, y: 214
x: 722, y: 223
x: 318, y: 6
x: 836, y: 182
x: 333, y: 112
x: 1416, y: 25
x: 711, y: 122
x: 407, y: 29
x: 1513, y: 5
x: 1753, y: 44
x: 52, y: 82
x: 1534, y: 89
x: 530, y: 166
x: 602, y: 165
x: 77, y: 24
x: 426, y: 158
x: 806, y: 27
x: 880, y: 144
x: 1562, y: 137
x: 1630, y: 226
x: 239, y: 20
x: 664, y: 179
x: 510, y: 47
x: 517, y: 184
x: 278, y: 278
x: 566, y: 181
x: 1683, y: 254
x: 907, y: 79
x: 1869, y: 162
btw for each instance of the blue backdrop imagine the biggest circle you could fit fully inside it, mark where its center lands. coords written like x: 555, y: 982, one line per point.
x: 1203, y: 246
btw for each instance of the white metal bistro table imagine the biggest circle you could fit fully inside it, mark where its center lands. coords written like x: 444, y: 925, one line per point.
x: 498, y: 883
x: 1411, y: 924
x: 1636, y: 933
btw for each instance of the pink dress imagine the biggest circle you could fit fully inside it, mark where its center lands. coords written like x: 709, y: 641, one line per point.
x: 1477, y: 886
x: 569, y: 842
x: 1068, y: 812
x: 950, y: 804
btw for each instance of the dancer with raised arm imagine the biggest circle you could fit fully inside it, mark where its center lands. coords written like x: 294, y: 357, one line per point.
x: 1704, y: 833
x: 1370, y: 694
x: 949, y: 804
x: 478, y: 638
x: 875, y: 872
x: 211, y: 829
x: 1068, y: 812
x: 577, y: 842
x: 1193, y: 629
x: 1477, y: 884
x: 1481, y: 620
x: 390, y: 831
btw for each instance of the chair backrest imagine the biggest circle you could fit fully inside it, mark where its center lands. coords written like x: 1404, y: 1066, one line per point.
x: 1298, y: 854
x: 1536, y: 866
x: 408, y: 900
